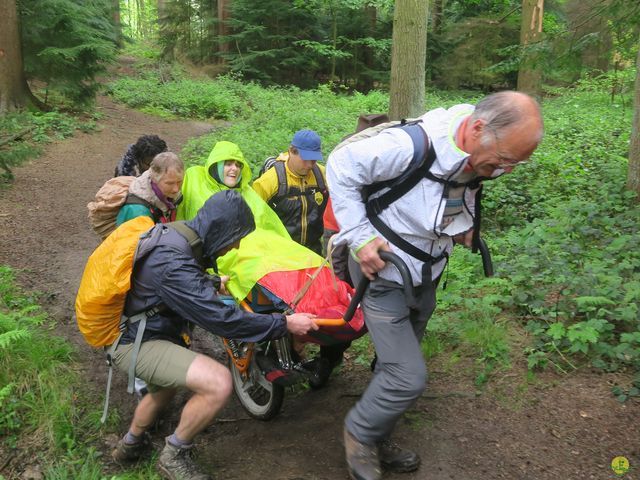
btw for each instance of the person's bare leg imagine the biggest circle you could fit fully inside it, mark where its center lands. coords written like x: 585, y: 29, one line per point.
x: 149, y: 408
x: 211, y: 385
x: 133, y: 444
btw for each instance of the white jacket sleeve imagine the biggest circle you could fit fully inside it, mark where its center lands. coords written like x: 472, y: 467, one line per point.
x: 383, y: 157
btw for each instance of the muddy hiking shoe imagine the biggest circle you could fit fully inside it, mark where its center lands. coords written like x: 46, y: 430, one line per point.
x: 130, y: 452
x: 319, y: 372
x: 362, y: 459
x: 175, y: 463
x: 397, y: 459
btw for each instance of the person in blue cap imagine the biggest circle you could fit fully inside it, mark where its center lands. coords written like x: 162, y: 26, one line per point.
x: 295, y: 187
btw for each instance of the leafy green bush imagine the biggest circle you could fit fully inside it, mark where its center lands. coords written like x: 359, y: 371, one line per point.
x: 41, y: 401
x: 29, y: 131
x: 569, y: 244
x: 185, y: 98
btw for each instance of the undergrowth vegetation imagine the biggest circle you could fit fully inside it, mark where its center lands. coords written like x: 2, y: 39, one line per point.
x: 260, y: 120
x: 563, y: 229
x: 46, y: 406
x: 564, y: 234
x: 24, y: 133
x: 40, y: 397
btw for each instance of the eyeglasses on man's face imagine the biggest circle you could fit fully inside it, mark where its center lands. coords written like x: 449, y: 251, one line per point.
x: 505, y: 161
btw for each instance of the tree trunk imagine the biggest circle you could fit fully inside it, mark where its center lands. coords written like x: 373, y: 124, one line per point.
x: 633, y: 174
x: 142, y: 18
x: 162, y: 13
x: 530, y: 74
x: 14, y: 91
x: 167, y: 40
x: 408, y: 59
x: 334, y: 39
x: 368, y: 59
x: 115, y: 5
x: 224, y: 9
x: 213, y: 31
x: 437, y: 8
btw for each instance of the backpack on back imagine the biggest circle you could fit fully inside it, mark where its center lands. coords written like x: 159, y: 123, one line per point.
x: 268, y: 163
x: 104, y: 286
x: 106, y: 281
x: 419, y: 167
x: 109, y: 199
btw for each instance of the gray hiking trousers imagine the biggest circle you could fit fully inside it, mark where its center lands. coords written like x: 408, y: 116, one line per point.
x: 400, y: 374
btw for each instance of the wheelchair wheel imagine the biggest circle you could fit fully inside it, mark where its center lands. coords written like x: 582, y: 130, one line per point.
x: 259, y: 397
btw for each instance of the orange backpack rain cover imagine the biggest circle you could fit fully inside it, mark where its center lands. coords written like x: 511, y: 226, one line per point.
x: 106, y: 281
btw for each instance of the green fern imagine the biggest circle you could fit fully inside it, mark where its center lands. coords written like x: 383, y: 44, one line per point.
x: 13, y: 337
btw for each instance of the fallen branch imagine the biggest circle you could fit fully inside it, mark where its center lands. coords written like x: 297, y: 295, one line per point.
x: 8, y: 173
x: 16, y: 136
x: 7, y: 461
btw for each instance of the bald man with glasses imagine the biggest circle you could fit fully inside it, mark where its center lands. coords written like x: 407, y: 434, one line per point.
x: 469, y: 145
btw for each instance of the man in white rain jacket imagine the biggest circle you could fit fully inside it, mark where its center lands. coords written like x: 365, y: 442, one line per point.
x: 470, y: 144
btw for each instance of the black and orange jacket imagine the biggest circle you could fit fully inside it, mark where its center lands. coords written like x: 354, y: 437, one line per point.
x: 299, y: 201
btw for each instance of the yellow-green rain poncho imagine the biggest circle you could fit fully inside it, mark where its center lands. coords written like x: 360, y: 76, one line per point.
x: 268, y: 249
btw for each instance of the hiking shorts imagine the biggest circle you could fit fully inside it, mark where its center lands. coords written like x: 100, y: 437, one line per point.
x: 162, y: 364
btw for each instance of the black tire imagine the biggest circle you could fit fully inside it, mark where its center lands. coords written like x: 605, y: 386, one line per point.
x: 260, y: 398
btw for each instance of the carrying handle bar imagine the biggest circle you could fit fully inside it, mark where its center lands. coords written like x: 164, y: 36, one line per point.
x: 487, y: 263
x: 407, y: 284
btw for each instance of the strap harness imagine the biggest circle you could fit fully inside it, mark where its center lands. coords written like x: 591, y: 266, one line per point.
x: 283, y: 186
x: 423, y: 158
x: 157, y: 214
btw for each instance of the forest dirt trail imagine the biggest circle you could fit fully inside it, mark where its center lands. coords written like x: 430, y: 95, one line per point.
x: 553, y: 428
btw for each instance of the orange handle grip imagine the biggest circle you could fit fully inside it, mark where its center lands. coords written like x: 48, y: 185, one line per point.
x: 329, y: 322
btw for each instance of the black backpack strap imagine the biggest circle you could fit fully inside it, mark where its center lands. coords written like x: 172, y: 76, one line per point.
x: 423, y: 157
x: 319, y: 178
x: 281, y: 171
x: 400, y: 242
x: 477, y: 219
x: 195, y: 242
x: 133, y: 199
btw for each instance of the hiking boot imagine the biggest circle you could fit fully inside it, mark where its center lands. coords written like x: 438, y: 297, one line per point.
x: 320, y: 370
x: 397, y: 459
x: 130, y: 452
x: 362, y: 459
x: 175, y: 463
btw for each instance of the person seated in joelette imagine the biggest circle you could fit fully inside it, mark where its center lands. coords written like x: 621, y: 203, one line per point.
x: 226, y: 168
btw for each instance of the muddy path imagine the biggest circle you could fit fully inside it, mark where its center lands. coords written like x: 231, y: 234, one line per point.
x: 552, y: 428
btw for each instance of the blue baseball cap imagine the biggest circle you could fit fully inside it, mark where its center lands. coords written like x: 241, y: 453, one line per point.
x: 308, y: 144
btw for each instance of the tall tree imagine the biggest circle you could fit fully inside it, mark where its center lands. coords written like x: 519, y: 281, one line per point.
x: 224, y: 14
x: 14, y: 91
x: 529, y: 74
x: 633, y: 175
x: 67, y: 43
x: 408, y: 59
x: 117, y: 23
x: 166, y: 36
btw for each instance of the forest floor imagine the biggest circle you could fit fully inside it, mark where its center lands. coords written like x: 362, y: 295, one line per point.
x: 516, y: 427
